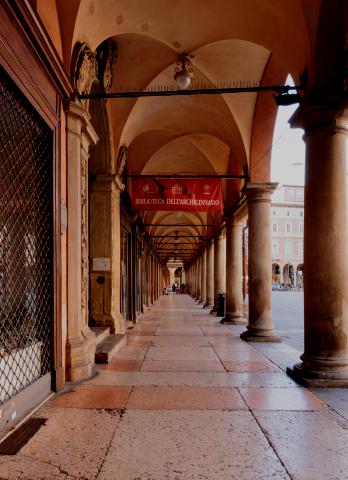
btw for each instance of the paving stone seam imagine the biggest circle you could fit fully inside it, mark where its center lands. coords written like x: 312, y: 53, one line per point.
x: 330, y: 408
x: 113, y: 435
x: 51, y: 464
x: 141, y: 364
x: 270, y: 443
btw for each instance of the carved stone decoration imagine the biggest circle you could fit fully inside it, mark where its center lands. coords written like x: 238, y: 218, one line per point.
x: 85, y: 68
x: 106, y: 55
x: 84, y: 237
x: 121, y: 160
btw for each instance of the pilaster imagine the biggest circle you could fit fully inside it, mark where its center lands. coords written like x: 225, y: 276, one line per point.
x: 80, y: 339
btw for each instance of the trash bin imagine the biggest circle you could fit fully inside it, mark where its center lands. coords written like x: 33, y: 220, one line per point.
x: 221, y: 305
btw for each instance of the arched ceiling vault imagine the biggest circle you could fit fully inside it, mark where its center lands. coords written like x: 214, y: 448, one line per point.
x: 243, y: 40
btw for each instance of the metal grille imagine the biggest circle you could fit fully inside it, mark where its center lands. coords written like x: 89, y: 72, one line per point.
x: 25, y: 242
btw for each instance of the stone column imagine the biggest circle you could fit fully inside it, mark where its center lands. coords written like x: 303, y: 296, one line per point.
x: 80, y: 347
x: 189, y: 280
x: 219, y: 269
x: 195, y: 280
x: 234, y: 271
x: 194, y: 286
x: 260, y: 327
x: 210, y: 275
x: 325, y: 359
x: 199, y: 268
x: 204, y: 278
x: 105, y: 233
x: 158, y: 287
x: 152, y: 280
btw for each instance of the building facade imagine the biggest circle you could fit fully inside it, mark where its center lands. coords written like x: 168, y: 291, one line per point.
x: 287, y: 217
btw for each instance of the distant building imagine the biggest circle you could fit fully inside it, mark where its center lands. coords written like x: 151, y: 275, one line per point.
x: 287, y: 224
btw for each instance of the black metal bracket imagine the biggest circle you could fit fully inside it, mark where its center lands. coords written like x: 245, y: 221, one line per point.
x: 162, y: 91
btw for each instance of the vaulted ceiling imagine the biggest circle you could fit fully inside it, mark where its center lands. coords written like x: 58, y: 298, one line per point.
x: 259, y: 41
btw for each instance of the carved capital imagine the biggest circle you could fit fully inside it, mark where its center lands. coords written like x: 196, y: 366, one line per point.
x: 121, y: 160
x: 325, y: 114
x: 106, y: 55
x: 259, y: 192
x: 85, y: 68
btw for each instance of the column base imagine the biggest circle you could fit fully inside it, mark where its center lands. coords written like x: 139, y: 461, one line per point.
x: 208, y: 305
x: 260, y: 336
x: 213, y: 311
x: 80, y: 353
x: 318, y: 379
x: 200, y: 302
x: 234, y: 318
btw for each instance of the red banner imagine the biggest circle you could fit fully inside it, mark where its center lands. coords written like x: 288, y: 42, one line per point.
x: 178, y: 194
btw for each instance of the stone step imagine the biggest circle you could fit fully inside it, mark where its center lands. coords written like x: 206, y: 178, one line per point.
x: 100, y: 333
x: 107, y: 349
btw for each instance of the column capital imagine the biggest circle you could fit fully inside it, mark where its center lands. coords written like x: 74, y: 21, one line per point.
x: 219, y: 234
x: 259, y: 192
x: 321, y: 115
x: 208, y: 242
x: 107, y: 183
x: 79, y: 121
x: 231, y: 218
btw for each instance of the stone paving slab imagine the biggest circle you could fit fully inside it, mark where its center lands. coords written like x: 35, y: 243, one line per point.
x: 182, y: 353
x: 92, y: 396
x: 185, y: 398
x: 20, y: 467
x: 336, y: 398
x: 72, y: 444
x: 190, y: 446
x: 182, y: 366
x: 250, y: 367
x: 131, y: 353
x: 281, y: 354
x: 294, y: 399
x: 121, y: 366
x: 243, y: 353
x: 138, y: 342
x: 311, y: 445
x: 179, y: 341
x: 195, y: 379
x: 217, y: 331
x: 189, y: 330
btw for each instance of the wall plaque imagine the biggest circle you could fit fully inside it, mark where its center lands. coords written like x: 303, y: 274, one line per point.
x: 101, y: 265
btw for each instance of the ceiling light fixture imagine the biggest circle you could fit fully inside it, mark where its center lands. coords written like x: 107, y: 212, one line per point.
x: 184, y: 73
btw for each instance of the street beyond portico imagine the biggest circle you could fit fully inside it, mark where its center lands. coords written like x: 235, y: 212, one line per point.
x: 288, y: 317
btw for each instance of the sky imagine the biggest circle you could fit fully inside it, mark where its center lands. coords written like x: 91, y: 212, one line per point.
x: 288, y: 151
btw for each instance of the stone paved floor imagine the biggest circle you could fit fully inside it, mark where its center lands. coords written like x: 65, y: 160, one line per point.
x: 187, y: 399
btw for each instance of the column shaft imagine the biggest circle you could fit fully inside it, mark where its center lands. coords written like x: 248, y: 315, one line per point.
x: 325, y: 359
x: 219, y: 269
x: 200, y: 270
x: 234, y: 282
x: 260, y: 327
x: 204, y: 278
x: 210, y: 275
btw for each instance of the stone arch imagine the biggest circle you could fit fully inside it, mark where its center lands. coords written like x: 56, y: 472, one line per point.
x: 299, y: 275
x: 103, y: 204
x: 289, y: 274
x: 276, y: 273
